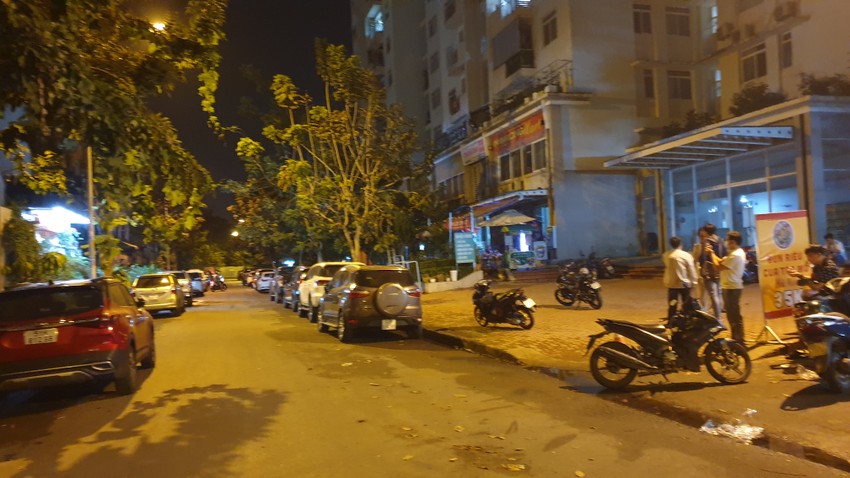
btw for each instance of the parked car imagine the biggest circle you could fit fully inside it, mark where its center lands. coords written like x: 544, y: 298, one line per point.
x: 72, y: 332
x: 377, y: 297
x: 290, y: 288
x: 199, y: 286
x: 312, y: 288
x: 256, y: 276
x: 185, y: 283
x: 160, y: 292
x: 281, y: 277
x: 264, y: 282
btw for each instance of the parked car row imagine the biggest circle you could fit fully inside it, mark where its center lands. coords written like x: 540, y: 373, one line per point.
x: 351, y: 296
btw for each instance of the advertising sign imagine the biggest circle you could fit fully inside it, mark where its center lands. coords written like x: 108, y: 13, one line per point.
x: 472, y: 152
x: 464, y: 248
x: 521, y: 260
x: 513, y: 137
x: 783, y: 236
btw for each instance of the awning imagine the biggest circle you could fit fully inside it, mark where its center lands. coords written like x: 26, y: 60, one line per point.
x: 703, y: 145
x: 462, y: 222
x: 511, y: 217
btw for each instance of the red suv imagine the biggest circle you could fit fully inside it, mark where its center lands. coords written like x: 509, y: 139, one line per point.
x: 75, y: 331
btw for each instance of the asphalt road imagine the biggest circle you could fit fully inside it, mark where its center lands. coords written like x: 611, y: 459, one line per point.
x: 244, y: 387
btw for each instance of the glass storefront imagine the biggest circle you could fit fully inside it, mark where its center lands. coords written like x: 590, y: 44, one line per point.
x: 730, y: 192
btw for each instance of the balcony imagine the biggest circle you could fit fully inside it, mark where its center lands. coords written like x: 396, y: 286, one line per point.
x: 452, y: 137
x: 557, y: 74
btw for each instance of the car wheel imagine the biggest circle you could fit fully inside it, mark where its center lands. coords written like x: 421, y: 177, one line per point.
x: 323, y: 327
x: 191, y: 302
x: 177, y: 312
x: 296, y: 304
x: 415, y: 332
x: 343, y: 333
x: 150, y: 360
x: 278, y: 298
x: 314, y: 314
x: 125, y: 375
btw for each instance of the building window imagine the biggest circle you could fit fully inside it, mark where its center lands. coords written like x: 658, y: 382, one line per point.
x: 527, y: 160
x: 678, y: 21
x: 717, y: 83
x: 648, y: 84
x: 539, y: 149
x: 754, y: 62
x: 434, y: 64
x: 786, y: 56
x: 679, y: 85
x: 505, y: 167
x: 435, y: 99
x: 449, y: 9
x: 432, y: 26
x: 713, y: 19
x: 642, y: 16
x: 550, y: 28
x: 451, y: 56
x: 516, y: 163
x: 454, y: 102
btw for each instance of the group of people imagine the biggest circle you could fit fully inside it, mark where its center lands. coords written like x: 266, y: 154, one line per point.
x: 715, y: 269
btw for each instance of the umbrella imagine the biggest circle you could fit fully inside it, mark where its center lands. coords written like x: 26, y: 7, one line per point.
x: 508, y: 218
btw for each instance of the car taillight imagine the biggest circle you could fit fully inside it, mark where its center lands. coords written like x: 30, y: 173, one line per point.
x: 414, y: 293
x: 96, y: 318
x: 358, y: 294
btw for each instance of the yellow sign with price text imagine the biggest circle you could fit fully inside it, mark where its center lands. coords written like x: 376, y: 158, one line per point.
x: 782, y: 238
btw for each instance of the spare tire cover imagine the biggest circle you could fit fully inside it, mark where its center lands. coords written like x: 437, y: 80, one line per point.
x: 390, y: 299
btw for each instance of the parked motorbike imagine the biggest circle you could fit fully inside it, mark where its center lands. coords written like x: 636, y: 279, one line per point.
x: 217, y: 283
x: 511, y: 307
x: 824, y: 329
x: 578, y: 286
x: 604, y: 269
x: 663, y: 349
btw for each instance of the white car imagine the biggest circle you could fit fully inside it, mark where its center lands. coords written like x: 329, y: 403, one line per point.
x: 312, y: 288
x: 264, y: 282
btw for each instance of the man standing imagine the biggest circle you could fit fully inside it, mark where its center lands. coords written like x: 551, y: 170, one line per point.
x: 732, y: 281
x: 708, y: 272
x: 680, y: 275
x: 835, y: 248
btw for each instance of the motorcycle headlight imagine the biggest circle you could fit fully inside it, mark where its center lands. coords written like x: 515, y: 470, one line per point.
x: 584, y: 270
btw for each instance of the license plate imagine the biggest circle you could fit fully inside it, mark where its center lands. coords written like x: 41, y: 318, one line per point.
x: 529, y: 303
x: 41, y: 336
x: 388, y: 324
x: 595, y: 285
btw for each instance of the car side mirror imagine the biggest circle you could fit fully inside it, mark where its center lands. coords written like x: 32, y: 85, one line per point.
x: 140, y: 303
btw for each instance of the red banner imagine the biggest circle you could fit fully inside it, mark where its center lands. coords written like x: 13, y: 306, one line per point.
x: 515, y: 136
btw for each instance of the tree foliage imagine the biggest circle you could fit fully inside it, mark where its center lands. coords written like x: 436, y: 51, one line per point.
x: 830, y: 85
x: 351, y: 154
x: 754, y: 97
x: 693, y: 120
x: 77, y: 73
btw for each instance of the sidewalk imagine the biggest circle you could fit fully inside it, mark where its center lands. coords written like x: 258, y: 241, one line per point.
x: 800, y: 416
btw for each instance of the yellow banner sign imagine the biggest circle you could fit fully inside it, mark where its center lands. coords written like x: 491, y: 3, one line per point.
x: 783, y: 236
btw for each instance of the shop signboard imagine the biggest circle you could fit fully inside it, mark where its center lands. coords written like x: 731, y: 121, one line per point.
x: 521, y: 260
x: 473, y: 151
x: 464, y: 248
x: 515, y: 136
x: 782, y: 240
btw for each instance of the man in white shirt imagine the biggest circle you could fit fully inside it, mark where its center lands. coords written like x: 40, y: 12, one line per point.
x: 732, y: 281
x: 680, y: 276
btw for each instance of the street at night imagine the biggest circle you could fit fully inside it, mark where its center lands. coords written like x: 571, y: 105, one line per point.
x: 244, y: 387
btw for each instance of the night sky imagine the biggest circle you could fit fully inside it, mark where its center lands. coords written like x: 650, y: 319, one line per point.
x: 275, y: 36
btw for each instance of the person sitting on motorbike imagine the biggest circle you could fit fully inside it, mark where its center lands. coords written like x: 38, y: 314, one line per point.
x: 823, y: 269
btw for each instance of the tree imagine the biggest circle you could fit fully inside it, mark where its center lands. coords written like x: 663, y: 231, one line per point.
x: 693, y: 120
x: 77, y: 73
x: 832, y: 85
x: 754, y: 97
x: 351, y: 152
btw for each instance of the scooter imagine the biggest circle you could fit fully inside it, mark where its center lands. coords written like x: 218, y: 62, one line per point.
x: 824, y: 329
x: 580, y: 286
x: 511, y: 307
x: 217, y: 283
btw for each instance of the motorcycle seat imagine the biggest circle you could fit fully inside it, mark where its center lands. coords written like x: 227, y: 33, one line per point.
x: 652, y: 328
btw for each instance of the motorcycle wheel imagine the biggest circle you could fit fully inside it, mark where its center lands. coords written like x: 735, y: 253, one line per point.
x: 223, y: 287
x: 595, y: 300
x: 563, y: 298
x: 729, y: 364
x: 609, y: 373
x: 526, y: 318
x: 479, y: 317
x: 837, y: 380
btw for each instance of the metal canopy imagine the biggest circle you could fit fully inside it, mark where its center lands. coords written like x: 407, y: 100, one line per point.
x: 703, y: 145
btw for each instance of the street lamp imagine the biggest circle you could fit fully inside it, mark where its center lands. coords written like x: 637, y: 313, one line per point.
x: 158, y: 26
x: 235, y: 233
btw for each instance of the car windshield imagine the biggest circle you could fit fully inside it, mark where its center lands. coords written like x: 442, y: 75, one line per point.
x: 152, y: 281
x: 329, y: 271
x: 378, y: 278
x: 33, y: 304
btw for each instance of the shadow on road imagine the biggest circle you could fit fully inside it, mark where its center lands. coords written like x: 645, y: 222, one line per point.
x: 188, y: 438
x: 815, y: 396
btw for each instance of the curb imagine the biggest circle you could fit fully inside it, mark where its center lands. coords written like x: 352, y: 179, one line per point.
x: 686, y: 416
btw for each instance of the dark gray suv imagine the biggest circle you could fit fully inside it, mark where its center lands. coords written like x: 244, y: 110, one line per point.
x: 377, y: 297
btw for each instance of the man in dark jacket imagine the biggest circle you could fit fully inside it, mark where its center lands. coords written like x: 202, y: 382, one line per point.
x: 708, y: 272
x: 823, y: 269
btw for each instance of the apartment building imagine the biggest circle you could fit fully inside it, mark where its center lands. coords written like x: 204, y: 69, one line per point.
x: 790, y: 156
x: 555, y: 108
